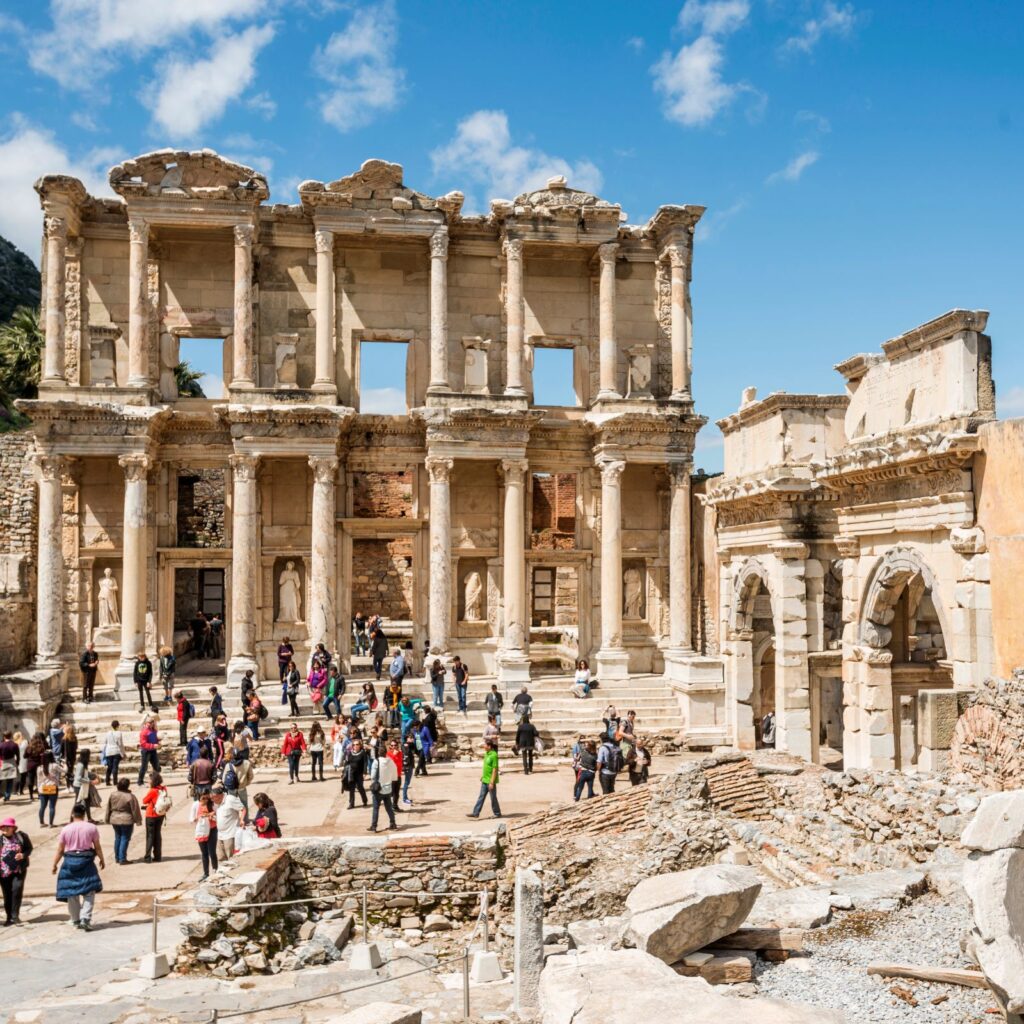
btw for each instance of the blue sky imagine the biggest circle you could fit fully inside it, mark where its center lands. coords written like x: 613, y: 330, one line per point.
x: 861, y: 163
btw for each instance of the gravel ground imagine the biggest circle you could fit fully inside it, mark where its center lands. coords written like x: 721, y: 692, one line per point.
x: 926, y: 933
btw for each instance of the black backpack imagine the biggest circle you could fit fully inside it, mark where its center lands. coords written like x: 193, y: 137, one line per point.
x: 263, y: 711
x: 614, y: 763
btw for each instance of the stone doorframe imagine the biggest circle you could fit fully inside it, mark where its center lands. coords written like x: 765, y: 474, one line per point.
x: 583, y: 562
x: 821, y: 666
x: 168, y: 561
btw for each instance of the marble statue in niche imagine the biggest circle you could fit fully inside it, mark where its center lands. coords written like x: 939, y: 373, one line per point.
x: 473, y: 600
x: 632, y: 593
x: 639, y: 371
x: 106, y: 603
x: 289, y: 594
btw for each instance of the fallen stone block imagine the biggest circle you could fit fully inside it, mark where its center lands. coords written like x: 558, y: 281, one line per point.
x: 380, y: 1013
x: 677, y: 913
x: 998, y: 824
x: 333, y: 934
x: 603, y: 933
x: 881, y: 890
x: 436, y: 923
x: 197, y: 925
x: 803, y: 907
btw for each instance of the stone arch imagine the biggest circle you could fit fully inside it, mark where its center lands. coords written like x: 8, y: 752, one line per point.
x: 749, y: 581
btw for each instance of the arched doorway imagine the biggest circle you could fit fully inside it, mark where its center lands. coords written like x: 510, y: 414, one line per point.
x: 755, y: 624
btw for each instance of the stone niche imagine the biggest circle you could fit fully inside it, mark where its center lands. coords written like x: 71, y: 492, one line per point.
x: 634, y: 589
x: 105, y: 637
x: 102, y: 356
x: 280, y: 567
x: 286, y: 364
x: 472, y: 620
x: 476, y: 353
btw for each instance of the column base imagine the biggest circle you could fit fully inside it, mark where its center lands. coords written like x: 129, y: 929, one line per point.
x: 612, y: 663
x: 124, y: 679
x: 680, y: 396
x: 608, y: 396
x: 325, y: 386
x: 699, y: 686
x: 239, y: 665
x: 515, y: 392
x: 438, y: 388
x: 513, y: 668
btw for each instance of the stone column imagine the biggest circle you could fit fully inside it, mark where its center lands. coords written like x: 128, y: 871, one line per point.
x: 324, y: 377
x: 244, y: 566
x: 680, y: 326
x: 138, y: 303
x: 56, y: 245
x: 440, y: 553
x: 612, y: 660
x: 528, y: 951
x: 50, y: 574
x: 514, y: 317
x: 323, y: 626
x: 788, y: 587
x: 243, y: 343
x: 606, y: 324
x: 134, y: 552
x: 680, y: 620
x: 513, y: 662
x: 439, y: 312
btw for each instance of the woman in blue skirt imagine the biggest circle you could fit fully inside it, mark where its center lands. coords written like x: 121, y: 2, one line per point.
x: 78, y: 850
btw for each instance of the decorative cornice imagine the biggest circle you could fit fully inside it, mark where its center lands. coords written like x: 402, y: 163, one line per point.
x: 756, y: 412
x: 899, y: 455
x: 939, y: 329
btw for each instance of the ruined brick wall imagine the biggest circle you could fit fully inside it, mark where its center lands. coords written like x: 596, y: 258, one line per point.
x: 201, y: 495
x: 988, y: 742
x: 18, y: 531
x: 382, y: 577
x: 553, y: 517
x: 382, y: 495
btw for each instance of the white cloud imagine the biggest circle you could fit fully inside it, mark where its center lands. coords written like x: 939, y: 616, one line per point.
x: 817, y: 121
x: 834, y: 20
x: 189, y: 95
x: 691, y: 79
x: 263, y: 104
x: 27, y: 153
x: 383, y: 401
x: 482, y: 152
x: 1010, y: 403
x: 795, y: 167
x: 359, y: 65
x: 712, y: 224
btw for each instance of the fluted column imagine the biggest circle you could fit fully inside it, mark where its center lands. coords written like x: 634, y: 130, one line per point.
x: 514, y: 317
x: 324, y: 375
x: 134, y: 550
x: 679, y: 611
x: 244, y: 565
x: 612, y: 660
x: 323, y: 547
x: 243, y: 349
x: 440, y: 553
x: 50, y: 573
x: 513, y: 662
x: 680, y: 325
x: 439, y: 313
x: 606, y: 322
x: 138, y: 303
x: 56, y: 246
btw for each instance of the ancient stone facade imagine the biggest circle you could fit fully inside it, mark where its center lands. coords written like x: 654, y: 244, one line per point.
x: 291, y: 296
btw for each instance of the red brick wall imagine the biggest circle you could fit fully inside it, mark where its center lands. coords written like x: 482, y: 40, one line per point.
x: 382, y: 495
x: 554, y: 512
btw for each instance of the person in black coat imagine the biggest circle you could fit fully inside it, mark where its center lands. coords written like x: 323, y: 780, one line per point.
x: 526, y: 738
x: 353, y: 770
x: 17, y: 849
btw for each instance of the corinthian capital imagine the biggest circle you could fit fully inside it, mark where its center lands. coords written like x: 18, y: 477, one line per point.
x: 244, y: 467
x: 440, y: 470
x: 514, y: 470
x: 439, y: 244
x: 679, y: 474
x: 512, y: 248
x: 323, y: 241
x: 136, y: 467
x: 325, y: 468
x: 611, y: 471
x: 676, y: 257
x: 55, y: 227
x: 47, y: 466
x: 606, y: 253
x: 244, y: 234
x: 138, y: 230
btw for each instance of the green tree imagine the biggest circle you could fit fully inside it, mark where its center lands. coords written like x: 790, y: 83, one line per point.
x: 188, y: 381
x: 21, y: 348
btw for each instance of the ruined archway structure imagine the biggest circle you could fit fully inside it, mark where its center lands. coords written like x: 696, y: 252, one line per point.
x: 880, y: 480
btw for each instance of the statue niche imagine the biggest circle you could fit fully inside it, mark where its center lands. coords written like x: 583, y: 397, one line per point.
x: 634, y: 604
x: 289, y: 594
x: 106, y: 606
x: 472, y: 594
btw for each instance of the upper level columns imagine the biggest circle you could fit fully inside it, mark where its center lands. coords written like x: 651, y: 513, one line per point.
x: 50, y: 573
x: 606, y: 323
x: 612, y: 659
x: 681, y: 325
x: 324, y: 375
x: 243, y: 349
x: 679, y: 557
x: 56, y: 245
x: 323, y: 548
x: 138, y: 303
x: 440, y: 553
x: 514, y: 317
x: 439, y: 313
x: 244, y: 565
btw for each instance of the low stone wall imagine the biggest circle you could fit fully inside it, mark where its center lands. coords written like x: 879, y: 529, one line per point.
x: 18, y: 527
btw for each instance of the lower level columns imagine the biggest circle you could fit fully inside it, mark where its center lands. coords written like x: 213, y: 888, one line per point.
x: 134, y: 551
x: 513, y: 659
x: 244, y: 567
x: 612, y: 659
x: 50, y: 574
x: 322, y: 587
x: 440, y: 554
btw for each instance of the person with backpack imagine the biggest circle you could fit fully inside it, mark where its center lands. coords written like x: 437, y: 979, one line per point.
x: 254, y: 714
x: 494, y: 703
x: 123, y: 813
x: 88, y: 663
x: 292, y: 749
x: 112, y: 752
x: 382, y: 779
x: 292, y: 682
x: 149, y: 746
x: 201, y: 771
x: 168, y: 666
x: 15, y: 851
x: 186, y: 712
x: 461, y: 676
x: 586, y: 771
x: 237, y: 776
x: 526, y: 740
x: 354, y: 769
x: 157, y: 803
x: 609, y: 763
x: 488, y: 782
x: 142, y: 676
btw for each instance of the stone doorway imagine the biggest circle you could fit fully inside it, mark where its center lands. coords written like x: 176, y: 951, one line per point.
x: 764, y: 687
x: 827, y: 718
x: 383, y: 581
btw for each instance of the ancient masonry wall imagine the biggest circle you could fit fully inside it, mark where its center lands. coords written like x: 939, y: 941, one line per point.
x: 382, y: 495
x: 382, y: 577
x: 553, y: 516
x: 18, y: 528
x: 988, y: 740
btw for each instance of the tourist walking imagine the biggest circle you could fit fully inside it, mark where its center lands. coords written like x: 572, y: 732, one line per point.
x: 461, y: 676
x: 37, y: 754
x: 83, y: 784
x: 149, y: 747
x: 527, y: 738
x: 186, y: 712
x: 522, y: 702
x: 292, y: 682
x: 317, y: 742
x: 352, y: 775
x: 488, y: 782
x: 265, y: 821
x: 382, y: 778
x: 437, y: 674
x: 204, y: 814
x: 586, y: 771
x: 167, y: 667
x: 142, y: 676
x: 491, y: 730
x: 123, y: 813
x: 78, y: 850
x: 378, y: 651
x: 157, y: 803
x: 609, y: 763
x: 15, y: 851
x: 202, y: 772
x: 408, y: 765
x: 292, y: 749
x: 285, y: 653
x: 216, y: 704
x: 398, y: 760
x: 230, y: 818
x: 22, y: 743
x: 88, y: 663
x: 49, y: 791
x: 237, y: 776
x: 581, y: 680
x: 69, y: 753
x: 494, y: 703
x: 424, y: 744
x: 10, y: 755
x: 112, y: 752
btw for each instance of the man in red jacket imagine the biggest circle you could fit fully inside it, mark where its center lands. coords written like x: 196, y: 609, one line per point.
x: 293, y: 748
x: 149, y: 744
x: 185, y: 710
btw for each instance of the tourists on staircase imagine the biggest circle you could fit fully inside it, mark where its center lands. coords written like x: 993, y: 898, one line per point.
x: 437, y: 674
x: 285, y: 653
x: 397, y: 668
x: 168, y: 666
x: 78, y: 849
x: 291, y: 682
x: 586, y: 771
x: 494, y: 703
x: 334, y: 691
x: 378, y: 651
x: 488, y: 782
x: 157, y: 803
x: 491, y: 731
x: 367, y: 701
x: 292, y: 749
x: 461, y: 676
x: 581, y: 680
x: 609, y: 763
x: 123, y: 813
x: 216, y: 704
x: 527, y: 738
x: 89, y: 663
x: 112, y: 752
x: 522, y: 702
x: 142, y: 675
x: 393, y: 701
x: 186, y: 712
x: 361, y: 640
x: 355, y: 766
x: 15, y: 851
x: 254, y: 714
x: 317, y: 742
x: 317, y: 683
x: 149, y: 747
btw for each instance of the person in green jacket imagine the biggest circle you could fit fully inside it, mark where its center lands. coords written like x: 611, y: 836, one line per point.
x: 407, y: 710
x: 333, y: 691
x: 488, y: 782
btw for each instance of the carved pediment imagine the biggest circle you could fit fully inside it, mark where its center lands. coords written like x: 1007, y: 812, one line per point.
x: 198, y: 173
x: 380, y: 181
x: 558, y: 195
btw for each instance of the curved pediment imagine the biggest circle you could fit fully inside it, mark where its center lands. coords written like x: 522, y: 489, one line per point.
x: 201, y: 173
x: 557, y: 194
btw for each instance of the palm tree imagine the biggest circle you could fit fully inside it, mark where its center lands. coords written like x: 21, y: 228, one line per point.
x: 188, y: 381
x: 21, y: 347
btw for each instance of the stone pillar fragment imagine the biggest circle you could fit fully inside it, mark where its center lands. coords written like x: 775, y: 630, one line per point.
x: 606, y: 321
x: 56, y: 246
x: 514, y: 317
x: 528, y: 955
x: 680, y: 326
x: 243, y: 354
x: 134, y: 552
x: 612, y: 659
x: 244, y: 566
x: 324, y: 370
x: 440, y: 554
x: 439, y: 313
x: 680, y: 625
x: 792, y: 684
x: 513, y: 662
x: 50, y: 574
x: 322, y: 618
x: 138, y: 303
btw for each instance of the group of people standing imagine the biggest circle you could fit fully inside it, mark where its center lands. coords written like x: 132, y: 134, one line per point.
x: 618, y: 749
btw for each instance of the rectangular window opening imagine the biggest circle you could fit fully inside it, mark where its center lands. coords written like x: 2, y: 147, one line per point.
x: 553, y: 377
x: 200, y: 369
x: 382, y: 374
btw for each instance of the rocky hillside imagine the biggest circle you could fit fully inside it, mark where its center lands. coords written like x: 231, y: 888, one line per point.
x: 19, y: 280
